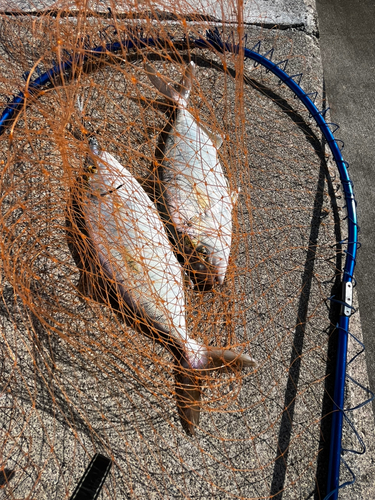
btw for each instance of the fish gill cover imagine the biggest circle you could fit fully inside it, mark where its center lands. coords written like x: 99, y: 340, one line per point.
x: 154, y: 219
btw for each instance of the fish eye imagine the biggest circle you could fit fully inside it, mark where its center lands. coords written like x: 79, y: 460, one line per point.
x: 203, y: 251
x: 199, y: 266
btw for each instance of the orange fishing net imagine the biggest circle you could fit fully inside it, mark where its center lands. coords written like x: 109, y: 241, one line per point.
x: 76, y: 379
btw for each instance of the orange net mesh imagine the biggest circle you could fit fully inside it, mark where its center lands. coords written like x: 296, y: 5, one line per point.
x: 76, y: 379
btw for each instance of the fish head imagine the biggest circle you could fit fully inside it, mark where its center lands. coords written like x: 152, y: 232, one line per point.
x: 210, y: 260
x: 206, y: 266
x: 199, y: 267
x: 211, y: 238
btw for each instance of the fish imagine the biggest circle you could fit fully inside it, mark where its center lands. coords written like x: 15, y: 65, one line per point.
x: 120, y: 246
x: 194, y: 197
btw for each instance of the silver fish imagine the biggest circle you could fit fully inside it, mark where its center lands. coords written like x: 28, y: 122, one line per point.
x: 120, y: 246
x: 195, y: 193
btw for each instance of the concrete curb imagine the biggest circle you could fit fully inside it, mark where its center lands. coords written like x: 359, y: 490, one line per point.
x: 282, y: 14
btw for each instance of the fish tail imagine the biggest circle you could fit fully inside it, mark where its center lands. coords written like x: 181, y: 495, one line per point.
x: 188, y: 396
x: 86, y: 127
x: 186, y: 83
x: 82, y: 117
x: 188, y: 377
x: 180, y: 97
x: 220, y: 358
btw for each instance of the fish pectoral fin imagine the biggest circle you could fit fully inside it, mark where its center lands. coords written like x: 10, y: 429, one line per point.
x: 188, y: 397
x: 217, y: 140
x: 202, y: 198
x: 234, y: 196
x: 223, y: 358
x: 163, y: 87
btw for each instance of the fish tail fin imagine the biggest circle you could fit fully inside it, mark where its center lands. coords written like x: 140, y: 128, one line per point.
x: 188, y: 396
x: 86, y: 127
x: 186, y: 83
x: 179, y: 97
x: 188, y: 377
x: 82, y: 132
x: 82, y: 118
x: 220, y: 358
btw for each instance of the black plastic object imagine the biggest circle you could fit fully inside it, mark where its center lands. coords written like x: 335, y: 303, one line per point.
x: 93, y: 479
x: 5, y: 476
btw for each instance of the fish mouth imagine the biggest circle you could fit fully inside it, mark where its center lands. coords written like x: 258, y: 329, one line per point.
x: 199, y: 264
x: 202, y: 273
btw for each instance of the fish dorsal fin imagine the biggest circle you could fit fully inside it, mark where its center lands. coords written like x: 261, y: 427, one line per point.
x: 217, y: 141
x: 182, y: 95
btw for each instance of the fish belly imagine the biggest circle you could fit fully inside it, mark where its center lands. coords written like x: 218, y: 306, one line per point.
x: 197, y: 189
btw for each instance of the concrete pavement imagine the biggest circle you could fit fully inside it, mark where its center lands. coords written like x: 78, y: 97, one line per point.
x: 347, y: 36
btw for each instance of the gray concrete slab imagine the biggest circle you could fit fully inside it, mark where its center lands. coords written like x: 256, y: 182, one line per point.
x: 347, y: 43
x: 24, y: 5
x: 362, y: 419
